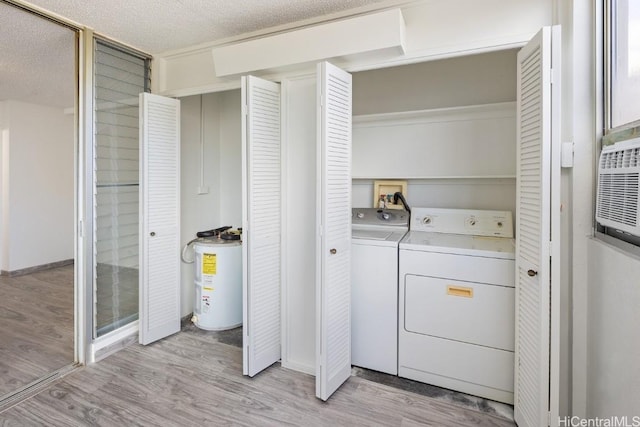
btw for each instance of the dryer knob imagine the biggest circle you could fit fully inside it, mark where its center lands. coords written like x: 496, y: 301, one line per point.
x: 385, y: 215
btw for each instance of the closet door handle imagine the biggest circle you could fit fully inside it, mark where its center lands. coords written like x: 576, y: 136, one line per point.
x: 153, y: 233
x: 333, y: 251
x: 532, y: 273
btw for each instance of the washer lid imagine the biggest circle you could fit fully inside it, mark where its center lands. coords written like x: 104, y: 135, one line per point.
x: 371, y: 234
x: 495, y: 247
x: 377, y: 237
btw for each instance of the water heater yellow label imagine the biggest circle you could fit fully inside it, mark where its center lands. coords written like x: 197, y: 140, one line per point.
x: 209, y: 264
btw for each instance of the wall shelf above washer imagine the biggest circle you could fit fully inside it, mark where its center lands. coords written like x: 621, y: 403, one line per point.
x: 429, y: 178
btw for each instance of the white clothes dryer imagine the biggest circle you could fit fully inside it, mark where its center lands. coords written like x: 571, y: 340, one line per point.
x: 376, y: 234
x: 457, y: 296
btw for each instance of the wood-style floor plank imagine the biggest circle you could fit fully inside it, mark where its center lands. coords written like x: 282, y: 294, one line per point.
x: 192, y: 378
x: 36, y: 326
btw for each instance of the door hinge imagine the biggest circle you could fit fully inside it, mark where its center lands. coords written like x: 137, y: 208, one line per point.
x: 81, y: 228
x: 244, y: 109
x: 551, y: 76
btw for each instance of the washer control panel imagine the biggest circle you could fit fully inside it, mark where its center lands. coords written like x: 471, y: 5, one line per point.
x: 463, y: 221
x: 374, y: 217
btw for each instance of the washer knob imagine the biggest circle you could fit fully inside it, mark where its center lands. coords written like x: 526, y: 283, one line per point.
x: 385, y: 215
x: 426, y: 220
x: 360, y: 215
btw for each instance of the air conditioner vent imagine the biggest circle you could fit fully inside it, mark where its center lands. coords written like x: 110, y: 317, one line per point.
x: 620, y: 159
x: 618, y: 187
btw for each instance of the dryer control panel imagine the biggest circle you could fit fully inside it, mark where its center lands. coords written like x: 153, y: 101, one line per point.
x: 463, y: 221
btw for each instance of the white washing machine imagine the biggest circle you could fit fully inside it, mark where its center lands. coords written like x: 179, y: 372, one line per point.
x: 376, y: 234
x: 457, y: 296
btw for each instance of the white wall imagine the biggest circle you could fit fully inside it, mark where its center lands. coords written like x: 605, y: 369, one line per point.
x: 605, y: 290
x: 467, y: 80
x: 38, y: 186
x: 491, y: 194
x: 613, y: 326
x: 198, y: 211
x: 230, y: 193
x: 579, y: 102
x: 602, y: 279
x: 221, y: 153
x: 488, y: 78
x: 470, y: 141
x: 564, y: 17
x: 299, y: 223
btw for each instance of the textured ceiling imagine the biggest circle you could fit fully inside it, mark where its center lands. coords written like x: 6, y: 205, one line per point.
x: 37, y: 57
x: 159, y: 25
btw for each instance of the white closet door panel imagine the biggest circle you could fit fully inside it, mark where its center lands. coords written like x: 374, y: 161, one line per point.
x: 159, y: 217
x: 537, y: 169
x: 261, y: 223
x: 333, y: 325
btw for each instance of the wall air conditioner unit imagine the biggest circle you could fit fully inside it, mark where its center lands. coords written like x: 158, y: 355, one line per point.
x: 618, y: 190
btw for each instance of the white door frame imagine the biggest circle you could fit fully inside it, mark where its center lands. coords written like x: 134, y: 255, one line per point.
x: 83, y: 152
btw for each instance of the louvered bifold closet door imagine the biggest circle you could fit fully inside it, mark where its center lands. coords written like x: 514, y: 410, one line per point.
x: 333, y: 293
x: 537, y: 170
x: 159, y: 217
x: 261, y: 169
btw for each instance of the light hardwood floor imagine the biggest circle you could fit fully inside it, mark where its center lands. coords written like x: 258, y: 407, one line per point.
x: 36, y: 326
x: 192, y: 378
x: 195, y: 378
